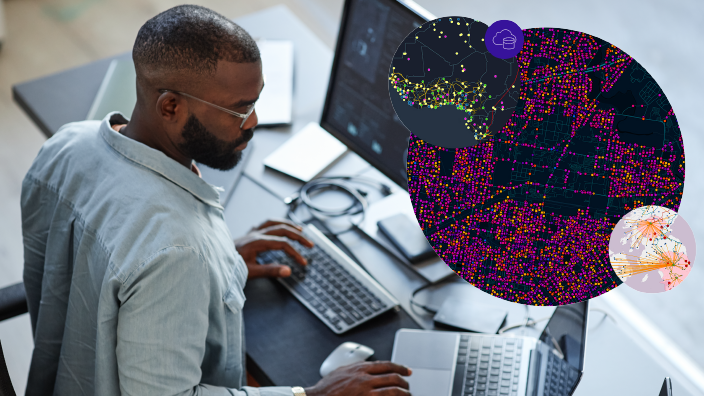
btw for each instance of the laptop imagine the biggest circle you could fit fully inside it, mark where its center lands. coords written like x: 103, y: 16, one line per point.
x: 666, y: 389
x: 464, y: 364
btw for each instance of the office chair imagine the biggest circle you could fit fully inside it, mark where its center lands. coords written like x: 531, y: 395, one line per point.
x: 13, y: 302
x: 6, y: 388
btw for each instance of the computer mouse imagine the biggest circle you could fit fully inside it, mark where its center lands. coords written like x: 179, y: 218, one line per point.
x: 345, y: 354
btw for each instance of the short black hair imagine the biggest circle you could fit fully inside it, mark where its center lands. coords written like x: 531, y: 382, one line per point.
x: 191, y: 38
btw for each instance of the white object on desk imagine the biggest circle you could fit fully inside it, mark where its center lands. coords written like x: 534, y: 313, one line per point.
x: 274, y: 104
x: 306, y: 154
x: 345, y: 354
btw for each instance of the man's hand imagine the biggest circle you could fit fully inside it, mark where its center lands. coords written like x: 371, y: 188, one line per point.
x: 271, y: 235
x: 362, y: 379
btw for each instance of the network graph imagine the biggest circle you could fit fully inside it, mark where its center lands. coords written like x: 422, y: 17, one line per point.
x: 527, y: 214
x: 463, y: 95
x: 648, y: 249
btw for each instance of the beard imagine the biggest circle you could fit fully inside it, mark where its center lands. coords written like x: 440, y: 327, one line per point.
x: 208, y: 149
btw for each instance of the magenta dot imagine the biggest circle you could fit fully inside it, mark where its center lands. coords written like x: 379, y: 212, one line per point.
x: 428, y: 69
x: 494, y: 75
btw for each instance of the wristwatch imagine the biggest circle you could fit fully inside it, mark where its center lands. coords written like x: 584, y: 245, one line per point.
x: 298, y: 391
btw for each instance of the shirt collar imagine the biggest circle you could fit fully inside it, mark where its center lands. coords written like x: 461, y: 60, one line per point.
x: 158, y: 162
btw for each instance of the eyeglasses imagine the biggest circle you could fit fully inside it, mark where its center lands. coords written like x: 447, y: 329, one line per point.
x: 245, y: 116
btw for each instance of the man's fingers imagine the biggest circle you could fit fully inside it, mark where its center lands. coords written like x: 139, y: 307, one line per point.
x: 271, y: 242
x: 384, y: 367
x: 289, y: 232
x: 273, y: 222
x: 269, y: 271
x: 389, y: 380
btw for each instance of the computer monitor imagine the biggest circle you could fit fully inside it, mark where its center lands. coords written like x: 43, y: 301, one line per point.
x: 357, y: 108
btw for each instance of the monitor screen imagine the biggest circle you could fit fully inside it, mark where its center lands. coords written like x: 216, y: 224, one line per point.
x: 357, y: 109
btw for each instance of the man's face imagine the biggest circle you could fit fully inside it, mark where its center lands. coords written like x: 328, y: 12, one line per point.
x: 206, y: 148
x: 211, y: 136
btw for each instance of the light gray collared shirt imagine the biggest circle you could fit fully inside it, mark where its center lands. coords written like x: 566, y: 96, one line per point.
x: 133, y: 282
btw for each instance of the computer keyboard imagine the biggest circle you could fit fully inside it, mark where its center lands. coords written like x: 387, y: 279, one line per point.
x: 332, y: 286
x: 487, y: 366
x: 559, y: 377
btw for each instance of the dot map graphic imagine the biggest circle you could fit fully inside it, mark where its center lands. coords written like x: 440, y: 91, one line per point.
x: 447, y: 88
x: 527, y: 214
x: 652, y: 249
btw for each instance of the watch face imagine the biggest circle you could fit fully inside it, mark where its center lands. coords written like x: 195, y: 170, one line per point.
x: 298, y: 391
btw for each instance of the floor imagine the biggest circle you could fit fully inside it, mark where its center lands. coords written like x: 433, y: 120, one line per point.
x: 47, y: 36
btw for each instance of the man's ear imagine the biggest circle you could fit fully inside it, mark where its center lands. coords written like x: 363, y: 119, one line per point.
x: 171, y: 107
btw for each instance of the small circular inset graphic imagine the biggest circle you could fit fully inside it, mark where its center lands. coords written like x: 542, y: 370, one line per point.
x: 652, y: 249
x: 446, y: 87
x: 504, y: 39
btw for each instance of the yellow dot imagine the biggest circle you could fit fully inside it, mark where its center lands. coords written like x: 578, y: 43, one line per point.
x: 460, y: 34
x: 456, y: 53
x: 416, y: 36
x: 482, y: 39
x: 404, y: 53
x: 441, y: 32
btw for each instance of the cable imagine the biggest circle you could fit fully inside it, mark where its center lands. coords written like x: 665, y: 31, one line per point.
x: 427, y: 285
x: 316, y: 186
x: 425, y: 307
x: 528, y: 322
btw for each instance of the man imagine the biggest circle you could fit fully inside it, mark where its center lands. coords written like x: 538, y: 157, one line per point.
x: 133, y: 284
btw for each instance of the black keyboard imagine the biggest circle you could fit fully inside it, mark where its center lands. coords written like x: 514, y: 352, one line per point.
x: 332, y: 286
x: 559, y: 377
x: 488, y: 366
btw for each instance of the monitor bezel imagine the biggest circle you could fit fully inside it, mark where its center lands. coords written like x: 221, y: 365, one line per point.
x: 408, y: 6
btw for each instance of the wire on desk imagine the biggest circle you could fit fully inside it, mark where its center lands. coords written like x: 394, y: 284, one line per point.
x: 418, y: 290
x: 316, y: 186
x: 529, y: 322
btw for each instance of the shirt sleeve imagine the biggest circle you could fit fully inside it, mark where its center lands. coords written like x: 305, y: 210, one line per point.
x: 162, y: 329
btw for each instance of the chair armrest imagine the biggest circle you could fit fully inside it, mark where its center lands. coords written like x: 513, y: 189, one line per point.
x: 13, y: 301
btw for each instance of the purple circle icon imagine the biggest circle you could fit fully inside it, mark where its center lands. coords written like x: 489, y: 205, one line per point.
x: 504, y: 39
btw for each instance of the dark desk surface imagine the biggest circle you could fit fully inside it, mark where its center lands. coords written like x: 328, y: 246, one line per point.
x: 285, y: 342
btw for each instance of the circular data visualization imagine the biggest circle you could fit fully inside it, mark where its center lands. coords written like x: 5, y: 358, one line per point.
x: 447, y: 88
x: 527, y: 214
x: 649, y: 249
